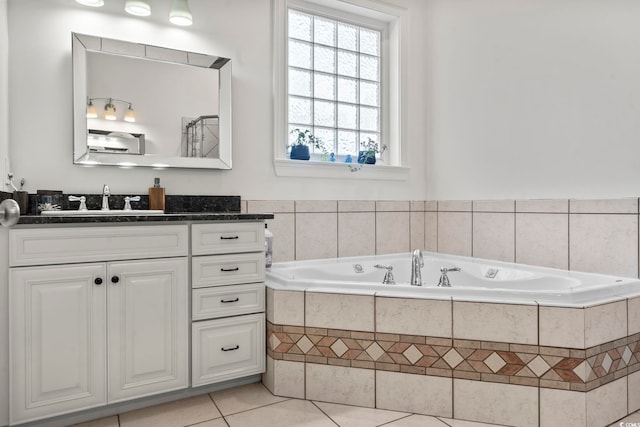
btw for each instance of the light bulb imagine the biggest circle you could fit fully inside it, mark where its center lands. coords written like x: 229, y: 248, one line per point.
x: 110, y: 111
x: 92, y: 3
x: 137, y: 7
x: 92, y: 113
x: 130, y: 115
x: 180, y: 13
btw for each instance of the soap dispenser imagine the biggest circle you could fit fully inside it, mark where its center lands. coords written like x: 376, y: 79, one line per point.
x: 156, y: 195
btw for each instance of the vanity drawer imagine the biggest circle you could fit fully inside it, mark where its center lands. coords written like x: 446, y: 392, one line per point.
x: 227, y: 348
x: 61, y: 245
x: 218, y: 270
x: 227, y: 238
x: 225, y: 301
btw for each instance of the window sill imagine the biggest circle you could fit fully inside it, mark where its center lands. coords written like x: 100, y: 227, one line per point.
x: 315, y: 169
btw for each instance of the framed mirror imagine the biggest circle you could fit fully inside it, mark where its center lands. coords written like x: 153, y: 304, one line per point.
x: 142, y: 105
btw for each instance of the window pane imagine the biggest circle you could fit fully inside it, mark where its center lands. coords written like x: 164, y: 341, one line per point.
x: 370, y: 42
x: 347, y: 64
x: 299, y: 26
x: 324, y: 31
x: 347, y: 116
x: 347, y: 90
x: 324, y: 59
x: 347, y: 37
x: 299, y: 54
x: 369, y: 68
x: 299, y: 82
x: 324, y: 86
x: 324, y: 113
x: 347, y: 142
x: 327, y: 140
x: 369, y: 93
x: 369, y: 118
x: 299, y: 110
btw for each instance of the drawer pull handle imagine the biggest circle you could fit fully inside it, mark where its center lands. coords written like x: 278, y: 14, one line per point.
x: 226, y: 270
x: 230, y: 348
x: 225, y: 301
x: 229, y: 238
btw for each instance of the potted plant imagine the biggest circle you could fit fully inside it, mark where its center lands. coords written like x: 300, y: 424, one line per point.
x: 367, y: 154
x: 304, y: 139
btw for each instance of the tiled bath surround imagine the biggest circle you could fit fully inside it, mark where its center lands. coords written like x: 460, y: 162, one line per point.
x: 511, y: 364
x: 500, y: 363
x: 599, y: 236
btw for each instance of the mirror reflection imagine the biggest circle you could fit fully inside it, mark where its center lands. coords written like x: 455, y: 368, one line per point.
x: 142, y: 105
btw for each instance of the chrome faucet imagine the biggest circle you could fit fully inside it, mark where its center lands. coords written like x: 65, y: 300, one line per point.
x: 417, y: 262
x: 444, y: 279
x: 388, y: 276
x: 105, y: 197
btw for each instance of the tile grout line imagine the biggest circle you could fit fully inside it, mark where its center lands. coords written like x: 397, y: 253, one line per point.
x: 323, y: 412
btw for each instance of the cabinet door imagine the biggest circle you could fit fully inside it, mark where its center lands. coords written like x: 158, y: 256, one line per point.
x: 228, y: 348
x: 148, y: 327
x: 58, y: 340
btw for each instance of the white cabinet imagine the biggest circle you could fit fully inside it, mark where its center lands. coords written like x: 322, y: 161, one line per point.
x: 228, y: 329
x: 85, y: 335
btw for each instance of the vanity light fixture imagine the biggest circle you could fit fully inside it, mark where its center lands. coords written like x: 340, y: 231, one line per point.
x: 137, y: 7
x: 110, y: 110
x: 92, y: 3
x: 180, y: 13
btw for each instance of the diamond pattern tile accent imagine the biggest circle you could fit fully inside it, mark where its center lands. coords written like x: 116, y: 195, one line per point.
x: 412, y: 354
x: 538, y: 366
x: 517, y: 364
x: 453, y: 358
x: 274, y: 342
x: 375, y: 351
x: 339, y: 348
x: 494, y: 362
x: 305, y: 344
x: 626, y: 355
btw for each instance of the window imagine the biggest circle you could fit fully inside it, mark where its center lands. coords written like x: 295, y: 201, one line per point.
x: 339, y: 70
x: 334, y: 82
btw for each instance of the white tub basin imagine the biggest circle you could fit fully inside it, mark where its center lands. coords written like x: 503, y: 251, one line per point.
x: 104, y: 213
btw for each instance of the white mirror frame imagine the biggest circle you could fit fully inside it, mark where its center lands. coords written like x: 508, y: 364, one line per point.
x: 81, y: 44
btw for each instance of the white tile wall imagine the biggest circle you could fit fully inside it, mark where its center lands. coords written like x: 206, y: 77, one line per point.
x: 562, y: 408
x: 495, y: 322
x: 455, y: 233
x: 542, y: 239
x: 421, y: 394
x: 339, y: 311
x: 350, y: 386
x: 493, y: 236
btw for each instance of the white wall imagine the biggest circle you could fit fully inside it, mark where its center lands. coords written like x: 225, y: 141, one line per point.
x: 533, y: 98
x: 41, y: 100
x: 4, y: 97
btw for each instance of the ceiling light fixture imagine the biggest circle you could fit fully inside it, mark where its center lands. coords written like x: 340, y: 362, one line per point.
x: 92, y: 3
x: 137, y: 7
x: 180, y: 13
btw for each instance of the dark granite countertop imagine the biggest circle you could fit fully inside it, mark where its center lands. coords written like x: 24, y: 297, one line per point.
x: 168, y: 217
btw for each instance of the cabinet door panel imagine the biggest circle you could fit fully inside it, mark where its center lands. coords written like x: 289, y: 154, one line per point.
x: 228, y: 348
x: 58, y: 340
x: 148, y: 328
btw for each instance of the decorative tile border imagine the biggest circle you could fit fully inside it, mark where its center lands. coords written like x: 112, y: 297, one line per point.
x: 529, y: 365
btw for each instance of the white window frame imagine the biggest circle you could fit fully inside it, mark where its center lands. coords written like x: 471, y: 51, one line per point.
x: 394, y: 44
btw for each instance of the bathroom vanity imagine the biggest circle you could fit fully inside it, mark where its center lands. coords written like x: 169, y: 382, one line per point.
x: 105, y: 310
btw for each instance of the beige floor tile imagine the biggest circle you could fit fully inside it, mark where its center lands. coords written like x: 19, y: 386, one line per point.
x: 243, y: 398
x: 355, y: 416
x: 290, y: 413
x: 174, y: 414
x: 461, y: 423
x: 417, y: 421
x: 633, y: 418
x: 219, y: 422
x: 102, y: 422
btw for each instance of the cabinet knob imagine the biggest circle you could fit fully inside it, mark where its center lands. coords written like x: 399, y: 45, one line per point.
x: 98, y: 281
x: 115, y: 279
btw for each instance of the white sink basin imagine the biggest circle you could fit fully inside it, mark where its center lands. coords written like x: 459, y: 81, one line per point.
x: 104, y: 213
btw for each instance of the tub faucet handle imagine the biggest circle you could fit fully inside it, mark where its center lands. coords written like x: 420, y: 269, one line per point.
x: 388, y: 276
x: 128, y: 200
x: 81, y: 199
x: 444, y: 279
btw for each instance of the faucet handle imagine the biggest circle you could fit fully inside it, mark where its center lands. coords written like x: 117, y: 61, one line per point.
x: 128, y: 200
x: 388, y: 276
x: 81, y: 199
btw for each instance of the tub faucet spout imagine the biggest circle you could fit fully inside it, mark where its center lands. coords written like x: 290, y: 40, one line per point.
x: 417, y: 262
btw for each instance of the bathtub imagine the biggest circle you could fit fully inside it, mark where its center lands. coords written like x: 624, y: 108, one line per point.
x: 479, y: 280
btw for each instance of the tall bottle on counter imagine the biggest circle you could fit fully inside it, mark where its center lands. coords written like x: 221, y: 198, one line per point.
x: 156, y: 195
x: 268, y: 246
